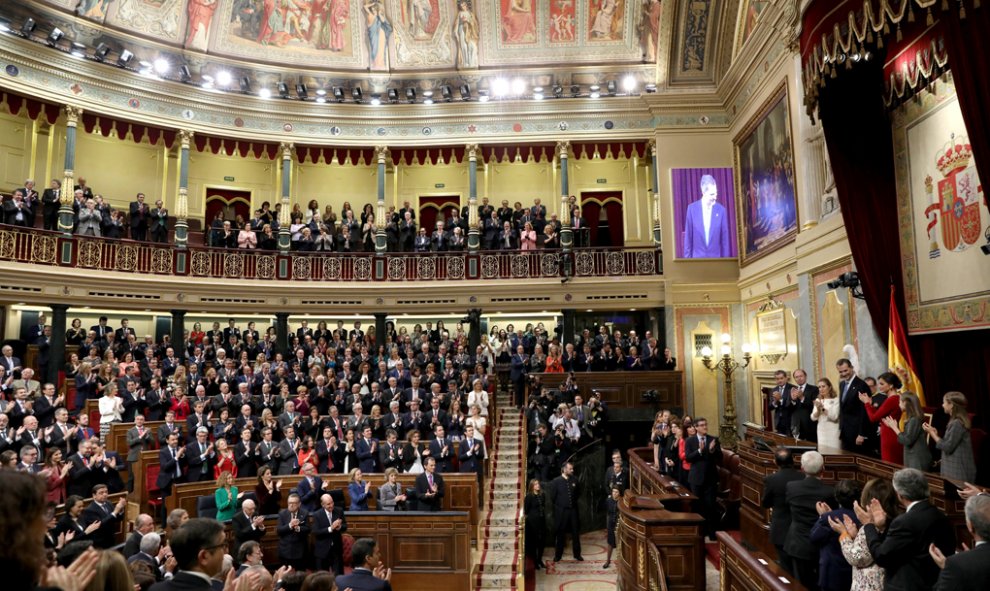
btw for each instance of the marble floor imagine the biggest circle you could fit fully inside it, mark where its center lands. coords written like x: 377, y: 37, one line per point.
x: 570, y: 575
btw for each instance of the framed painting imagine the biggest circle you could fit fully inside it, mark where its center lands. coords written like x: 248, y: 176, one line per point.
x: 765, y: 184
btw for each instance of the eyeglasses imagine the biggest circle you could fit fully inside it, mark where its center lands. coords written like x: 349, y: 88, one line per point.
x: 223, y: 545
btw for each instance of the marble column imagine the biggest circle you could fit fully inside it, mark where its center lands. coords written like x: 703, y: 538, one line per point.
x: 56, y: 344
x: 182, y: 200
x: 566, y: 232
x: 380, y: 318
x: 474, y: 224
x: 66, y: 216
x: 284, y: 218
x: 655, y: 184
x: 177, y: 334
x: 381, y: 240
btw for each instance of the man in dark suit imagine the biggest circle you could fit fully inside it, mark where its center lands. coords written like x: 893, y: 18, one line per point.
x: 198, y: 548
x: 367, y: 451
x: 963, y: 571
x: 310, y: 488
x: 429, y: 487
x: 329, y: 525
x: 902, y: 547
x: 50, y: 204
x: 201, y: 457
x: 172, y: 466
x: 706, y: 225
x: 139, y: 216
x: 471, y: 453
x: 147, y: 551
x: 293, y: 534
x: 705, y: 454
x: 121, y: 334
x: 775, y: 498
x: 143, y: 525
x: 107, y: 515
x: 854, y: 424
x: 441, y: 450
x: 519, y: 365
x: 138, y: 440
x: 564, y: 496
x: 246, y: 525
x: 803, y: 397
x: 169, y: 428
x: 781, y: 404
x: 286, y: 452
x: 369, y: 573
x: 802, y: 498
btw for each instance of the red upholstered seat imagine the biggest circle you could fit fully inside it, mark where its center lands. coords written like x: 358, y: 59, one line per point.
x: 348, y: 542
x: 151, y: 485
x: 729, y: 490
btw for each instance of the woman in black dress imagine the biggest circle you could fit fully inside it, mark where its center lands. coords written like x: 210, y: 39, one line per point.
x: 611, y: 521
x: 536, y: 523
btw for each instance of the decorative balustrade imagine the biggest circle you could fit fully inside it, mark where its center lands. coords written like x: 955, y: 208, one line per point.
x: 104, y: 254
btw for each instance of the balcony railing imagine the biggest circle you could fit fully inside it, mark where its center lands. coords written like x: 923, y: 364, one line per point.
x: 105, y: 254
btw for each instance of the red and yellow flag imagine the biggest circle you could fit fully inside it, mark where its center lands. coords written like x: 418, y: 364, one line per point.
x: 898, y: 353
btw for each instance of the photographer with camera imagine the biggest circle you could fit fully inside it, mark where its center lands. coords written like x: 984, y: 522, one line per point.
x: 543, y: 454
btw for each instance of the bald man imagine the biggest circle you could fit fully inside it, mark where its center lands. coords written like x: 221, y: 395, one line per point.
x: 144, y: 524
x: 328, y: 526
x: 248, y: 526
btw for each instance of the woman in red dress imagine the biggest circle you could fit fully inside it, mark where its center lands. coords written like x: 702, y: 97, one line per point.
x: 554, y: 364
x: 307, y: 454
x: 197, y: 334
x: 225, y: 460
x: 888, y: 384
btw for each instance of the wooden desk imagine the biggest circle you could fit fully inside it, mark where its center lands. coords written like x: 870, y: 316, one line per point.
x: 677, y: 536
x: 426, y: 551
x: 117, y: 438
x: 622, y: 391
x: 130, y: 515
x: 645, y: 481
x: 741, y: 569
x: 755, y: 464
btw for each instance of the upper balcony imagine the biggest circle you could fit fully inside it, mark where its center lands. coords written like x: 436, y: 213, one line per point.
x: 86, y: 270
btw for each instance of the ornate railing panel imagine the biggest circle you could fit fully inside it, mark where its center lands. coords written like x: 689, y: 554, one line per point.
x: 103, y: 254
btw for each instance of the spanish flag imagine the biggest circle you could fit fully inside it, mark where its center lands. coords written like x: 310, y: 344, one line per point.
x: 898, y: 353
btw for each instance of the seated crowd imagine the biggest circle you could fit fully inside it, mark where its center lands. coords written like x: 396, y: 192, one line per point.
x: 311, y: 229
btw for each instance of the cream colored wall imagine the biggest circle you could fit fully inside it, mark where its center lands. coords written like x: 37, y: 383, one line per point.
x: 631, y: 176
x: 521, y: 181
x: 260, y: 176
x: 15, y: 151
x: 417, y: 181
x: 333, y: 184
x: 119, y: 170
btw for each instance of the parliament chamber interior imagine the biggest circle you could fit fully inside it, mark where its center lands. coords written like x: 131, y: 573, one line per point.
x: 494, y: 294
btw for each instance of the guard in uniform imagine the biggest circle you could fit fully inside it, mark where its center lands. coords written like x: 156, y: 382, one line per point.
x: 563, y: 491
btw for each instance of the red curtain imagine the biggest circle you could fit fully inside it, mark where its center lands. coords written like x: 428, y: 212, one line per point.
x: 968, y: 48
x: 230, y: 202
x: 592, y: 204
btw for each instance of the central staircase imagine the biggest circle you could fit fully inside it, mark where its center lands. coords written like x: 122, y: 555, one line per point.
x: 500, y: 549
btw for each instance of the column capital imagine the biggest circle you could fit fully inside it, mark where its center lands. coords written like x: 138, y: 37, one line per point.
x: 651, y: 147
x: 72, y: 114
x: 563, y: 148
x: 381, y: 154
x: 286, y: 149
x: 472, y: 151
x: 185, y: 138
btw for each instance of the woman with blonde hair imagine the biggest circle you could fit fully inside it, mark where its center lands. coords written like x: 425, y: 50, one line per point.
x: 359, y: 490
x: 956, y: 445
x: 112, y: 573
x: 916, y: 452
x: 391, y: 495
x: 111, y: 409
x: 826, y: 414
x: 226, y: 496
x: 478, y: 396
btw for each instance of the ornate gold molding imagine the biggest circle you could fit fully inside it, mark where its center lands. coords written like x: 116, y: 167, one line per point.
x: 185, y: 138
x: 72, y: 114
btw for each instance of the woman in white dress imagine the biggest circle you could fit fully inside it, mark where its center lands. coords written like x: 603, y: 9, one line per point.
x: 479, y: 422
x: 826, y: 413
x: 111, y: 409
x: 478, y: 396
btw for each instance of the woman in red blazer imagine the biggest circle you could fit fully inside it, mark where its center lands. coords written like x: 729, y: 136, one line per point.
x: 888, y: 384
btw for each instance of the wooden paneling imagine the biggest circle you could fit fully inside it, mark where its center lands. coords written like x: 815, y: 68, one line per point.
x: 622, y: 391
x: 426, y: 551
x: 117, y: 438
x: 678, y: 537
x: 754, y: 571
x: 755, y: 464
x: 646, y: 481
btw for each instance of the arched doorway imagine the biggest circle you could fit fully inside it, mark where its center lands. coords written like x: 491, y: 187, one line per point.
x: 602, y: 212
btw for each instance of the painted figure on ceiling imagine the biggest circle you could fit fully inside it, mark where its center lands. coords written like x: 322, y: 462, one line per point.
x: 200, y: 14
x: 421, y: 17
x: 379, y: 30
x: 94, y: 9
x: 649, y: 28
x: 518, y: 21
x: 604, y: 19
x: 466, y: 35
x: 328, y: 26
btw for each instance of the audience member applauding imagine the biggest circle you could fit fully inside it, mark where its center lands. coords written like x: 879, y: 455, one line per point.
x: 968, y: 570
x: 956, y: 446
x: 916, y: 452
x: 834, y: 573
x: 803, y: 497
x: 888, y: 385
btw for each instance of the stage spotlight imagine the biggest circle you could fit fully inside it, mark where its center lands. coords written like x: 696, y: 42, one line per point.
x: 338, y: 94
x: 376, y: 99
x: 162, y: 66
x: 4, y: 25
x: 465, y: 92
x: 78, y: 50
x: 447, y: 92
x: 518, y: 87
x: 101, y: 52
x: 224, y: 78
x: 558, y: 90
x: 427, y: 97
x: 393, y: 95
x: 125, y: 58
x: 265, y: 93
x: 595, y: 91
x: 28, y: 27
x: 245, y: 85
x: 283, y: 90
x: 611, y: 87
x: 356, y: 94
x: 651, y: 88
x: 411, y: 95
x: 54, y: 36
x: 184, y: 74
x: 629, y: 83
x: 483, y: 96
x: 500, y: 87
x: 575, y: 90
x: 302, y: 92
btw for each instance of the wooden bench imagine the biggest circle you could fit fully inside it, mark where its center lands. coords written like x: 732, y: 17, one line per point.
x: 625, y: 392
x: 742, y: 569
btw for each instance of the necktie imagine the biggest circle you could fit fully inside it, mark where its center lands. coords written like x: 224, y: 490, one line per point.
x: 702, y: 441
x: 429, y: 477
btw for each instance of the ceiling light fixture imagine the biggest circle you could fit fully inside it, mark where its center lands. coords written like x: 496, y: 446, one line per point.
x: 4, y: 25
x: 611, y: 87
x: 162, y: 66
x: 651, y: 88
x: 465, y: 92
x: 575, y: 90
x: 518, y: 87
x: 558, y: 90
x: 376, y: 99
x: 54, y: 36
x: 629, y: 83
x: 184, y: 74
x: 321, y: 99
x: 283, y: 90
x: 356, y: 94
x: 393, y: 95
x: 245, y: 84
x: 500, y: 87
x: 265, y: 93
x: 321, y: 92
x: 595, y: 91
x: 224, y: 78
x: 411, y: 95
x: 427, y: 101
x: 483, y: 96
x: 101, y: 52
x: 302, y: 92
x: 447, y: 92
x: 78, y: 50
x: 28, y: 27
x: 338, y: 94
